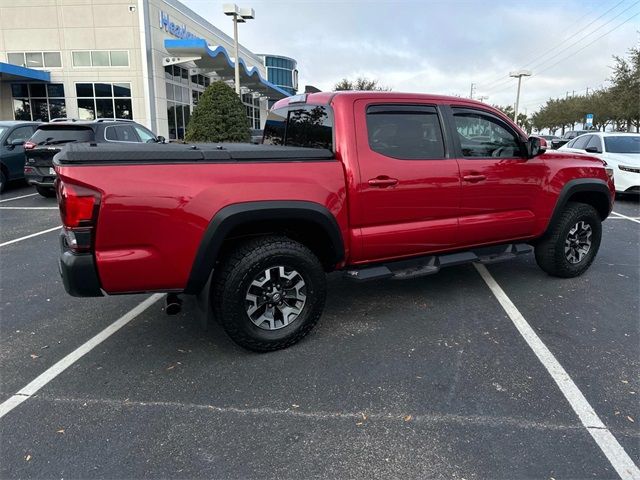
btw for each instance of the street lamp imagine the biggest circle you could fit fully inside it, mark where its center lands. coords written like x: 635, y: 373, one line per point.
x: 240, y: 15
x: 518, y: 74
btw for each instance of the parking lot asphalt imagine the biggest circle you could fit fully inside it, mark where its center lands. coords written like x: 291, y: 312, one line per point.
x: 425, y: 378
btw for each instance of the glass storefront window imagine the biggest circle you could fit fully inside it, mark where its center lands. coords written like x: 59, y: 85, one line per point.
x: 38, y: 101
x: 104, y: 100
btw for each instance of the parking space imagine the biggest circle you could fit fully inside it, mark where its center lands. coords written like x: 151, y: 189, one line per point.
x: 416, y: 379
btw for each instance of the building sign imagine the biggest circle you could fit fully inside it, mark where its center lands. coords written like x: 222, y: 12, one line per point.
x: 174, y: 29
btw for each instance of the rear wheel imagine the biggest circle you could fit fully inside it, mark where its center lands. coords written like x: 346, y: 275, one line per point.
x: 571, y: 244
x: 48, y: 192
x: 3, y: 181
x: 268, y: 293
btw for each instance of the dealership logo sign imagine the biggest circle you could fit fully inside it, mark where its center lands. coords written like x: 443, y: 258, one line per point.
x: 174, y: 29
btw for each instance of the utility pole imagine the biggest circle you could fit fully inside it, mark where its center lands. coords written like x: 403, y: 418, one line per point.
x: 518, y: 74
x: 473, y: 88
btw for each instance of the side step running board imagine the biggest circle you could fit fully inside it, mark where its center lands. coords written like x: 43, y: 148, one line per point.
x: 421, y: 266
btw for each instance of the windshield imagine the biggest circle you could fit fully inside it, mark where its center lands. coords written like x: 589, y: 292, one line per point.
x: 2, y: 130
x: 623, y: 144
x: 60, y: 134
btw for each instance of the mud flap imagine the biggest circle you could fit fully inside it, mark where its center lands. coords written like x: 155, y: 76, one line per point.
x: 203, y: 305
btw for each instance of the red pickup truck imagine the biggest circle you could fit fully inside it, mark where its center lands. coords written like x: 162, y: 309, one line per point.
x: 375, y: 184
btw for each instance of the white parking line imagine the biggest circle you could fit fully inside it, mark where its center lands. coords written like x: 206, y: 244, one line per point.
x: 56, y: 369
x: 30, y: 236
x: 16, y: 198
x: 625, y: 217
x: 614, y: 452
x: 28, y: 208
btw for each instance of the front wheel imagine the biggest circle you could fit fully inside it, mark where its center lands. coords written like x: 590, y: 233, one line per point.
x: 47, y: 192
x: 268, y: 293
x: 571, y: 244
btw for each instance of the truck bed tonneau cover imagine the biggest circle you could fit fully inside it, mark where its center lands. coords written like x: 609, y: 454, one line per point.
x: 134, y: 153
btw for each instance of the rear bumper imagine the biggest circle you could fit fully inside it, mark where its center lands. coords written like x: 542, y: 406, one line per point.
x: 39, y: 180
x: 78, y: 272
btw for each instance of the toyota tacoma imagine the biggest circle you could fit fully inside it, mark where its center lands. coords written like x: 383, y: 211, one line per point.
x: 376, y: 184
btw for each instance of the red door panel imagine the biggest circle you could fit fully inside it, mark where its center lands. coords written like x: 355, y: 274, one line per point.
x: 403, y: 206
x: 498, y: 192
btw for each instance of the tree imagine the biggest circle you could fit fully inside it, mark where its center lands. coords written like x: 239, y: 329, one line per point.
x: 219, y: 116
x: 361, y: 83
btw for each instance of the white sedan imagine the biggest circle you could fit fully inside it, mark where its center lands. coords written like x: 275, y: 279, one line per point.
x: 621, y: 151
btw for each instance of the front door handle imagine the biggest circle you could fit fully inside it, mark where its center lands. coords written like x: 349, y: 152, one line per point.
x: 474, y: 178
x: 383, y: 181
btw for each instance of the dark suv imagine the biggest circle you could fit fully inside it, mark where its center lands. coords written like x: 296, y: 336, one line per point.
x: 556, y: 143
x: 13, y: 134
x: 50, y: 137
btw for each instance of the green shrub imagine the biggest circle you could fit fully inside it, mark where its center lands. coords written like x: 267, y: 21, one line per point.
x: 219, y: 116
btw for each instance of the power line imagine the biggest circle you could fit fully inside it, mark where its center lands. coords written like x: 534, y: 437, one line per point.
x: 499, y: 84
x: 572, y: 54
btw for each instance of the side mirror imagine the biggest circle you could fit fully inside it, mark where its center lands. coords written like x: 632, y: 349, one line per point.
x: 535, y: 147
x: 592, y: 150
x: 161, y: 139
x: 18, y: 142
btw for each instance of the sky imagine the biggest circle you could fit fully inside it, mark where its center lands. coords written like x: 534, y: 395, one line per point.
x: 443, y: 47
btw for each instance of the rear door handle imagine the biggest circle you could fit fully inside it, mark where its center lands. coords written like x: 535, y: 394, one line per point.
x: 474, y: 178
x: 383, y: 181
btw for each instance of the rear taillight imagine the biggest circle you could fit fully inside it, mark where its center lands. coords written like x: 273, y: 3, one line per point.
x: 28, y: 145
x: 78, y: 211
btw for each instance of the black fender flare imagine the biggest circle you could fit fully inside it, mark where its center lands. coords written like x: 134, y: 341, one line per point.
x: 238, y: 214
x: 581, y: 185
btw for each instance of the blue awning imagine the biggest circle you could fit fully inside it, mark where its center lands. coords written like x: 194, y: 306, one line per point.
x: 16, y: 72
x: 217, y: 60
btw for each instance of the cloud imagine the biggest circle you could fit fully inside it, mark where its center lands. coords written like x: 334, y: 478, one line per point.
x: 442, y: 46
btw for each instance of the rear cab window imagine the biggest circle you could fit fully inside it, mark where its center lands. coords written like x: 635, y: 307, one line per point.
x: 58, y: 134
x: 308, y: 126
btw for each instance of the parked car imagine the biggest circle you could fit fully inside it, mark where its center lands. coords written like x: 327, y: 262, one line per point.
x: 620, y: 151
x: 569, y: 135
x: 402, y: 185
x: 549, y: 138
x: 13, y: 134
x: 50, y: 137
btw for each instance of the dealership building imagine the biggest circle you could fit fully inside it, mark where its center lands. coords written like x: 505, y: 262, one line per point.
x: 146, y: 60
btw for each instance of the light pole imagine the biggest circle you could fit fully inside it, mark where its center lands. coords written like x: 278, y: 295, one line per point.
x: 518, y: 74
x: 240, y: 15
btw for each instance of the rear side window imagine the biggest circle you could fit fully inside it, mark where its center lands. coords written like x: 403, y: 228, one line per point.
x: 306, y: 126
x: 121, y: 133
x: 406, y: 132
x: 62, y: 134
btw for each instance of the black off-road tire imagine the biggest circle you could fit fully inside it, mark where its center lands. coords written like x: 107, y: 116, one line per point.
x: 47, y: 192
x: 3, y: 181
x: 240, y: 266
x: 550, y: 250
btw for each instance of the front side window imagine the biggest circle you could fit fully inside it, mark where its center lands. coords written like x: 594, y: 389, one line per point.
x: 306, y: 126
x: 595, y: 142
x: 145, y: 135
x: 580, y: 143
x: 20, y: 133
x: 483, y: 136
x: 405, y: 131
